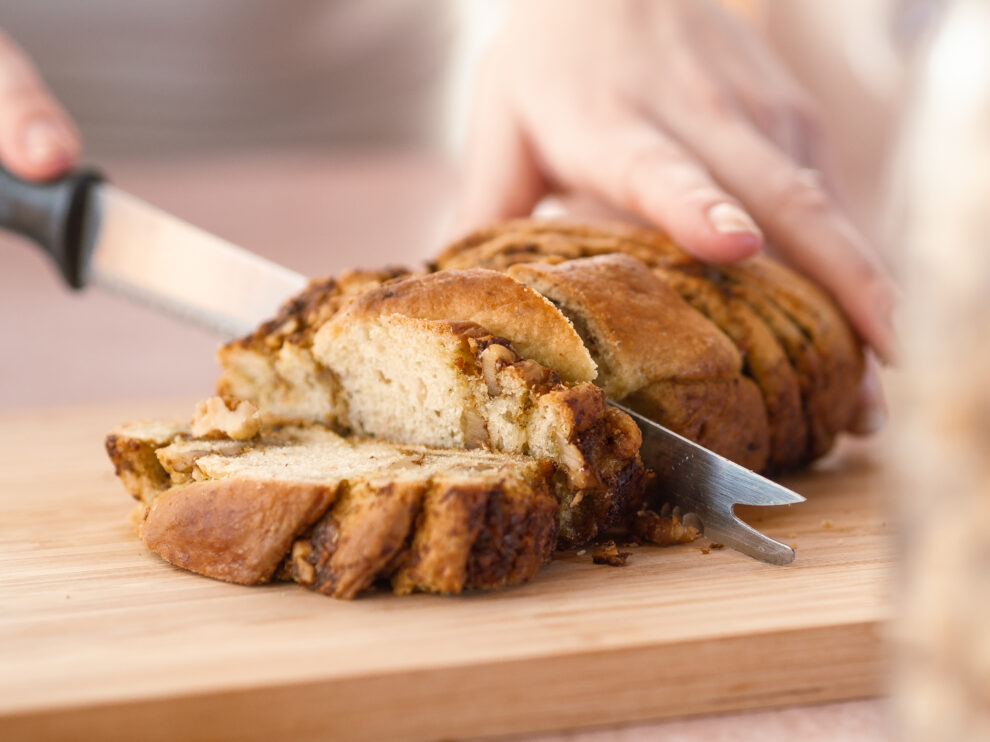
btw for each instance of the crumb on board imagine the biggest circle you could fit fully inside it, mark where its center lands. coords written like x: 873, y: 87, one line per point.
x: 791, y: 535
x: 716, y: 545
x: 608, y: 553
x: 826, y: 524
x: 650, y: 527
x: 582, y: 552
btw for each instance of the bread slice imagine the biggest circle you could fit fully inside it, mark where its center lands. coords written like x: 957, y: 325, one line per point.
x: 454, y: 384
x: 658, y: 353
x: 337, y: 514
x: 273, y: 366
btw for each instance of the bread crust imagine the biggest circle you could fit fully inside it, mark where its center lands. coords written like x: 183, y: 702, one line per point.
x: 640, y: 329
x: 236, y: 530
x: 658, y: 352
x: 839, y: 351
x: 765, y: 362
x: 354, y: 542
x: 493, y: 300
x: 824, y: 355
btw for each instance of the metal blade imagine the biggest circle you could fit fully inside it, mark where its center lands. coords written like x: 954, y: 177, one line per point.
x: 146, y: 254
x: 709, y: 485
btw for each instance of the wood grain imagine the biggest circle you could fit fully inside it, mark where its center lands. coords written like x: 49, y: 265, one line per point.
x: 99, y: 638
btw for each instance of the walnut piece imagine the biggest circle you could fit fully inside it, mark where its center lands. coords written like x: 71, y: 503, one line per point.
x: 214, y: 418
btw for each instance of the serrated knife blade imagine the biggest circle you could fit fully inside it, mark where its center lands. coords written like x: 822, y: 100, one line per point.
x: 140, y: 251
x: 709, y: 486
x: 98, y: 234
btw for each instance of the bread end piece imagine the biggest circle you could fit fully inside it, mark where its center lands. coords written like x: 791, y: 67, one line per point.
x: 236, y: 530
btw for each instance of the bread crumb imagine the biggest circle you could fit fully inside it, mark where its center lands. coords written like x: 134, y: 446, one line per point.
x: 582, y: 552
x: 608, y: 553
x: 214, y: 418
x: 826, y: 524
x: 661, y: 530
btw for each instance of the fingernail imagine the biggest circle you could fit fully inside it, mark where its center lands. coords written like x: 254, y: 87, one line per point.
x: 728, y: 218
x: 45, y: 142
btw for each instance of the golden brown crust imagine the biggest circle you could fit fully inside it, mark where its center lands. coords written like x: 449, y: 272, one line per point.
x: 639, y: 329
x: 653, y: 348
x: 552, y: 241
x: 804, y: 359
x: 493, y: 300
x: 236, y: 530
x: 354, y: 542
x: 764, y: 358
x: 301, y: 315
x: 473, y: 537
x: 812, y: 310
x: 825, y: 356
x: 448, y: 526
x: 515, y: 540
x: 726, y: 416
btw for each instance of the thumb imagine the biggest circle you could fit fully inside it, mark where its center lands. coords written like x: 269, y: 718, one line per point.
x: 37, y: 138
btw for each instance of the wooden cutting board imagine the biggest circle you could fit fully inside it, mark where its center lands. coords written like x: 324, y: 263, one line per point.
x: 101, y: 639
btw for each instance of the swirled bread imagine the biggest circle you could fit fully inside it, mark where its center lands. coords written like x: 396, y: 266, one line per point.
x: 793, y: 342
x: 336, y: 514
x: 657, y: 353
x: 391, y: 366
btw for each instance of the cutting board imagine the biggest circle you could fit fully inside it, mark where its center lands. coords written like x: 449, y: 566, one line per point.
x: 101, y: 639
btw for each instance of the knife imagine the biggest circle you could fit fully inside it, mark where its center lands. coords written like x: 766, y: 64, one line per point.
x: 97, y: 234
x: 706, y: 486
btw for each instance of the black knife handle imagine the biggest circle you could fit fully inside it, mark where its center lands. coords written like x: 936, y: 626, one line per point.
x: 53, y: 214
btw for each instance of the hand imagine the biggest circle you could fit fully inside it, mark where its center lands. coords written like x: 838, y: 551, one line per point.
x: 677, y: 113
x: 37, y: 138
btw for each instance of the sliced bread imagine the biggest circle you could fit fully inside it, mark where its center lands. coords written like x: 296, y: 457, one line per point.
x: 336, y: 514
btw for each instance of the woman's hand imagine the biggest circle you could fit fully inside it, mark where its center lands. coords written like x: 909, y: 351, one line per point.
x: 677, y: 113
x: 37, y: 138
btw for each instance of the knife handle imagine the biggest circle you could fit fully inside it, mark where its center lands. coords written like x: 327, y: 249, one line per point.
x: 53, y: 214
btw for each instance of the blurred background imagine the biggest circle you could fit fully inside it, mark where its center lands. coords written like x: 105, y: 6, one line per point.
x: 328, y: 137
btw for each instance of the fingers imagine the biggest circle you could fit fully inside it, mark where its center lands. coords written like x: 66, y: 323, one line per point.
x: 37, y: 139
x: 803, y: 222
x: 634, y: 166
x: 502, y: 179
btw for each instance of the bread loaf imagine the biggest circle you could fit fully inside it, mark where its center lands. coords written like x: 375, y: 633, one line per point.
x: 444, y: 430
x: 792, y: 340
